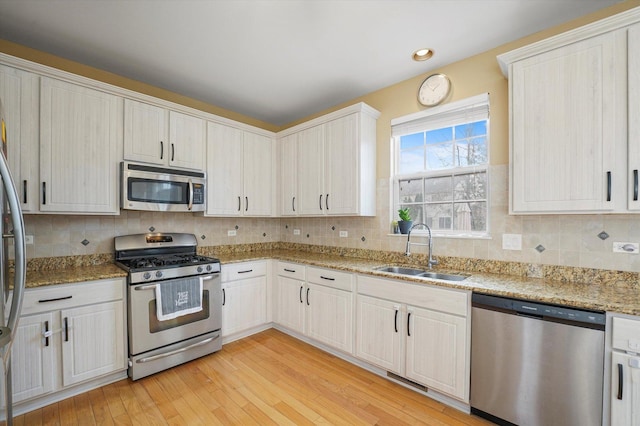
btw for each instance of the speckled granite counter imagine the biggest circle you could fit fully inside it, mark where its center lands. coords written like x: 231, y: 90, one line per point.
x: 619, y: 293
x: 578, y: 287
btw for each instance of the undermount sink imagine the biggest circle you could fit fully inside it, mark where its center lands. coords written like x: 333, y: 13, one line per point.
x: 421, y: 273
x: 401, y: 270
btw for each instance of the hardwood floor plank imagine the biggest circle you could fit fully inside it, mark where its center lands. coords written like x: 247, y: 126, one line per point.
x: 268, y: 378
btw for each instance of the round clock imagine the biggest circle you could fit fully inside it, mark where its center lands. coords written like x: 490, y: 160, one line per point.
x: 434, y: 89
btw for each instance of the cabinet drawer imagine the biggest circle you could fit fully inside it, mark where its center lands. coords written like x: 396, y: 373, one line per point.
x: 330, y: 278
x: 291, y: 270
x: 65, y: 296
x: 626, y: 334
x: 241, y: 271
x: 454, y: 302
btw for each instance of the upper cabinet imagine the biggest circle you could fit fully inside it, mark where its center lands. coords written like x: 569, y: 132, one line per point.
x: 20, y: 94
x: 241, y: 176
x: 334, y: 164
x: 159, y: 136
x: 80, y: 148
x: 574, y: 120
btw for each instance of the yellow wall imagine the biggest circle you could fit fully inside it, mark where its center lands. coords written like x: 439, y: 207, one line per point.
x: 471, y: 76
x: 116, y: 80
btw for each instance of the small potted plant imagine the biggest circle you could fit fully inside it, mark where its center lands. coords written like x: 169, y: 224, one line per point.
x: 405, y: 221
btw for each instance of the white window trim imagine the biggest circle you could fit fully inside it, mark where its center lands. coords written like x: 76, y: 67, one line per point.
x: 406, y: 125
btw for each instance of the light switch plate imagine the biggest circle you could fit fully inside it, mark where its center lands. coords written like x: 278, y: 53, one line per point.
x: 28, y: 239
x: 232, y: 233
x: 296, y: 232
x: 512, y: 241
x: 344, y: 234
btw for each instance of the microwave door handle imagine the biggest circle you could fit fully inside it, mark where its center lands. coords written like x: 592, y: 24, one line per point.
x: 190, y: 194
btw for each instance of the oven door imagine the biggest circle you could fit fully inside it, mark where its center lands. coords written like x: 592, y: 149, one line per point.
x: 146, y: 332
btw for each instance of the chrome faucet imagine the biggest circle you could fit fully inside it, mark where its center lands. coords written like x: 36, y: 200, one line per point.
x: 407, y: 252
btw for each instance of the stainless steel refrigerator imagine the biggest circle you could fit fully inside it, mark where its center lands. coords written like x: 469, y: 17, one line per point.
x: 11, y: 282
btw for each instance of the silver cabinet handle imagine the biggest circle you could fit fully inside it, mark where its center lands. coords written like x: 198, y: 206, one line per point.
x: 326, y: 201
x: 635, y: 185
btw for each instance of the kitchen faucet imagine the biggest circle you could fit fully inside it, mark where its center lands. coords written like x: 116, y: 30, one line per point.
x: 407, y: 252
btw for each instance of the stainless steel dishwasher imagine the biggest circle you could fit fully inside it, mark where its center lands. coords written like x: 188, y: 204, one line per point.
x: 534, y: 364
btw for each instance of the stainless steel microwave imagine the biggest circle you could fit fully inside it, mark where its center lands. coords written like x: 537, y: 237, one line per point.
x: 154, y: 188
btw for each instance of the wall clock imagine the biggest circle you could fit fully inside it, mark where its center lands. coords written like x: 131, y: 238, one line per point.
x: 434, y: 89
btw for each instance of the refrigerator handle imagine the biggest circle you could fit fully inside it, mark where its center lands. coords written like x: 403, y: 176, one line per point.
x: 20, y: 258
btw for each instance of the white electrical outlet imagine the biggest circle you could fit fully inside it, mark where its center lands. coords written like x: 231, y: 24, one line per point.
x: 296, y: 232
x: 344, y: 234
x: 28, y: 239
x: 232, y: 233
x: 632, y: 248
x: 512, y: 241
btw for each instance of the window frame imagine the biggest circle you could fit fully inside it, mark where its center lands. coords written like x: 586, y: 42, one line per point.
x: 443, y: 116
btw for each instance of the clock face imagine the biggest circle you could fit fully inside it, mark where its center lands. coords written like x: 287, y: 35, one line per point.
x: 434, y: 90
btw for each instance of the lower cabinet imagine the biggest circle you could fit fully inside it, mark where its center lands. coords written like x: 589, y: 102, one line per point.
x: 415, y: 331
x: 317, y: 302
x: 244, y: 297
x: 625, y: 369
x: 68, y: 334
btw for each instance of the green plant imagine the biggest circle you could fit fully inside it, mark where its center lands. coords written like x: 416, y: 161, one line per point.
x: 405, y: 214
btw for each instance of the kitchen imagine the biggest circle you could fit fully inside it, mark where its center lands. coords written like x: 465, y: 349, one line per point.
x: 568, y: 240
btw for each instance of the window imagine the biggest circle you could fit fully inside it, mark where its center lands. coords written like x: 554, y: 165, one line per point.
x: 441, y: 166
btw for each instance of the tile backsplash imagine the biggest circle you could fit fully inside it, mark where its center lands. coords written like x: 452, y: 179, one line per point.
x: 568, y: 240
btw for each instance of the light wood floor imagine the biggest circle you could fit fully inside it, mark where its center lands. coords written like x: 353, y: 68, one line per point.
x: 268, y: 378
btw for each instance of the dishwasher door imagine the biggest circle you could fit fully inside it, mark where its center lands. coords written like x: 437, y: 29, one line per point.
x: 529, y: 369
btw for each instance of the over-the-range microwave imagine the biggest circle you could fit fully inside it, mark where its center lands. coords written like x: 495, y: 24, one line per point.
x: 154, y: 188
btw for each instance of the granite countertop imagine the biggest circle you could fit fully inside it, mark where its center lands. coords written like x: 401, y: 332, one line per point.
x: 617, y: 294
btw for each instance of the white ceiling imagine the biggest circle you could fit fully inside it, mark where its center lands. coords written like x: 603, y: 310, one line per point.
x: 275, y: 60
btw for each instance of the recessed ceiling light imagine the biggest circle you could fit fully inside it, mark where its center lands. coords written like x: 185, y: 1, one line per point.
x: 422, y: 54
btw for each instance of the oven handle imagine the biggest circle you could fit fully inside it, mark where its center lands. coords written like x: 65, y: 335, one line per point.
x: 177, y: 351
x: 153, y: 286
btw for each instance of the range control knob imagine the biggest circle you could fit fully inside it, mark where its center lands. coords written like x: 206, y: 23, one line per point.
x: 199, y: 268
x: 209, y: 267
x: 146, y: 275
x: 159, y: 274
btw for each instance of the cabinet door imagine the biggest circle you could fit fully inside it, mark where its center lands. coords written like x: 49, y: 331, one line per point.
x: 341, y: 166
x: 625, y: 389
x: 32, y: 357
x: 145, y: 133
x: 93, y: 341
x: 187, y: 141
x: 20, y: 94
x: 224, y: 170
x: 633, y: 41
x: 289, y: 175
x: 258, y: 175
x: 567, y: 144
x: 80, y: 132
x: 436, y: 351
x: 310, y: 171
x: 289, y: 309
x: 329, y: 316
x: 380, y: 333
x: 245, y: 305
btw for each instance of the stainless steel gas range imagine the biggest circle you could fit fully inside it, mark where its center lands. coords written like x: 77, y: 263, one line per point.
x: 174, y: 300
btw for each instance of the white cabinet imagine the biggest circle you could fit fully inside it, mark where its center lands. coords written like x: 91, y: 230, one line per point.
x: 335, y: 164
x: 68, y: 334
x: 20, y: 94
x: 319, y: 307
x: 241, y: 174
x: 289, y: 296
x: 92, y: 341
x: 289, y: 199
x: 329, y: 310
x: 155, y: 135
x: 625, y: 372
x: 416, y: 331
x: 244, y: 298
x: 80, y: 142
x: 572, y: 98
x: 633, y: 59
